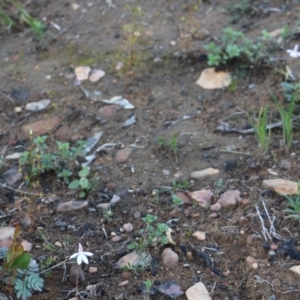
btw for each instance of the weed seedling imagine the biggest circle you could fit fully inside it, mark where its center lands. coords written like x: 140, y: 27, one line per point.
x: 262, y: 133
x: 176, y: 201
x: 286, y: 118
x: 294, y: 207
x: 150, y: 235
x: 233, y: 45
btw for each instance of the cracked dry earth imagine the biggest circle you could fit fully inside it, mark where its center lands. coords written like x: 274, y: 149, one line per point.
x: 167, y: 103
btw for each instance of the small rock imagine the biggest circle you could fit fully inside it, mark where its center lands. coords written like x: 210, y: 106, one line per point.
x: 137, y: 214
x: 92, y: 270
x: 204, y: 173
x: 116, y: 239
x: 96, y: 75
x: 122, y: 283
x: 123, y: 154
x: 75, y: 273
x: 281, y: 186
x: 215, y: 207
x: 58, y: 244
x: 253, y: 178
x: 184, y: 197
x: 213, y: 215
x: 295, y: 269
x: 82, y: 73
x: 71, y: 205
x: 133, y: 259
x: 27, y: 246
x: 39, y: 127
x: 189, y: 255
x: 26, y: 221
x: 245, y: 201
x: 38, y: 106
x: 199, y: 235
x: 273, y: 247
x: 108, y: 111
x: 203, y: 197
x: 128, y: 227
x: 272, y: 172
x: 6, y: 232
x: 198, y: 292
x: 251, y: 262
x: 285, y: 164
x: 169, y: 258
x: 229, y: 198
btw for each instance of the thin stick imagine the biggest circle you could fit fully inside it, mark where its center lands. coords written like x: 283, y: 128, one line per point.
x: 7, y: 97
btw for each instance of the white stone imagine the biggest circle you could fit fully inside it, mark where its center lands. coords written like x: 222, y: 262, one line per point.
x: 198, y: 292
x: 205, y: 172
x: 199, y: 235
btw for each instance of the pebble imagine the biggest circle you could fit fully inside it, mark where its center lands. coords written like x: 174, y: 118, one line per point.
x: 128, y: 227
x: 200, y: 235
x: 189, y: 255
x: 214, y: 215
x: 184, y: 197
x: 204, y: 173
x: 39, y: 127
x: 229, y: 198
x: 137, y: 215
x: 133, y: 259
x: 295, y: 269
x: 123, y: 154
x: 93, y: 270
x: 169, y: 258
x: 108, y: 111
x: 215, y: 207
x: 116, y: 239
x: 203, y: 197
x: 281, y: 186
x: 124, y: 282
x: 71, y: 205
x: 198, y: 292
x: 251, y: 262
x: 58, y: 244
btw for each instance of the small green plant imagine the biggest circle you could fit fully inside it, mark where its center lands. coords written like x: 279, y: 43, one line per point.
x: 293, y: 210
x: 240, y: 9
x: 148, y: 285
x: 150, y: 235
x: 170, y: 145
x: 19, y: 270
x: 36, y: 26
x: 84, y: 184
x: 233, y: 45
x: 38, y: 160
x: 286, y: 116
x: 262, y: 133
x: 176, y: 201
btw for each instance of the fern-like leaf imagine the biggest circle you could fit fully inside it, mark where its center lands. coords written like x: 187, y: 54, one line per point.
x: 34, y: 282
x: 21, y: 289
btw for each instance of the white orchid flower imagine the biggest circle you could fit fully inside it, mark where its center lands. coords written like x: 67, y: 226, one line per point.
x: 81, y: 255
x: 294, y: 52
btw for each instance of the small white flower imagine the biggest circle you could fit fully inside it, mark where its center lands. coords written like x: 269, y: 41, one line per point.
x: 294, y: 52
x: 81, y: 255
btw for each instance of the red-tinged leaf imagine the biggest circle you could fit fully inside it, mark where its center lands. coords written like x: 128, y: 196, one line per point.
x: 17, y: 232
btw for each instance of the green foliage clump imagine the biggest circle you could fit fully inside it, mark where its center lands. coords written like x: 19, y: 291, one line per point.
x: 150, y: 235
x: 235, y: 45
x: 19, y: 270
x: 39, y: 159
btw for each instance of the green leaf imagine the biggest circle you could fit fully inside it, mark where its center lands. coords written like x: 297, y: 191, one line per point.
x: 84, y: 172
x: 74, y: 184
x: 20, y: 262
x: 84, y: 183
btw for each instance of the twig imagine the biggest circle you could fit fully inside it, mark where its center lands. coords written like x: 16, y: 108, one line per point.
x: 69, y: 27
x: 235, y: 152
x: 7, y: 97
x: 61, y: 263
